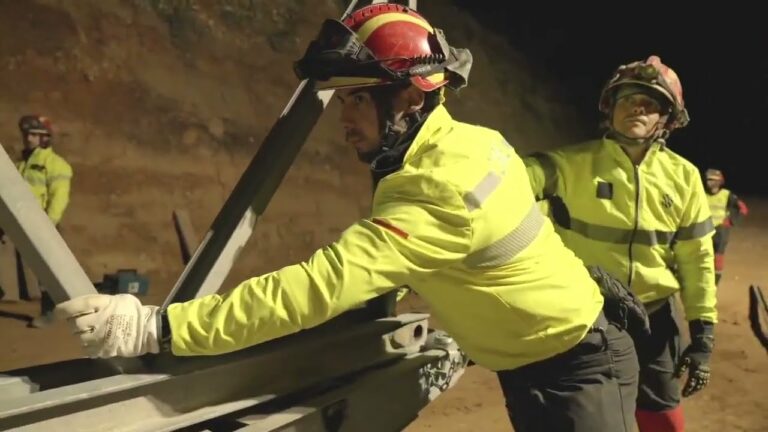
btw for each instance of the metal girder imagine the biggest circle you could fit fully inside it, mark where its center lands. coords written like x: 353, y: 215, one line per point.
x: 188, y: 241
x: 758, y: 315
x: 174, y: 392
x: 37, y: 239
x: 233, y: 226
x: 383, y: 399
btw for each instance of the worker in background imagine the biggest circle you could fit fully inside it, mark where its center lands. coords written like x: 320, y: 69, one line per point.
x: 50, y: 177
x: 629, y: 204
x: 450, y: 219
x: 727, y: 210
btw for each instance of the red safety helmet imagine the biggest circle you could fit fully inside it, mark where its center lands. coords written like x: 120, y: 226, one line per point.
x: 382, y: 44
x: 653, y: 74
x: 33, y: 123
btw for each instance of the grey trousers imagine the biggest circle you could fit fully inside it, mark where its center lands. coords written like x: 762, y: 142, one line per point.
x: 590, y: 388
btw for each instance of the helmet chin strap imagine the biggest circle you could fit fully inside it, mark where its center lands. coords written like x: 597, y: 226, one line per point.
x: 396, y: 140
x: 658, y: 134
x: 393, y: 132
x: 397, y: 136
x: 396, y: 132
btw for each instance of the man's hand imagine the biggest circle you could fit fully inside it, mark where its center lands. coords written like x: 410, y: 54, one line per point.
x: 622, y: 307
x: 695, y: 358
x: 112, y: 325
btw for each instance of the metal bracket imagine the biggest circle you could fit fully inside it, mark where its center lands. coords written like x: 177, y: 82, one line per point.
x: 37, y: 239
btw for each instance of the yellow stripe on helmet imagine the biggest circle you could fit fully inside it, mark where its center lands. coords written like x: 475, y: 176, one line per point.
x: 366, y: 29
x: 436, y: 78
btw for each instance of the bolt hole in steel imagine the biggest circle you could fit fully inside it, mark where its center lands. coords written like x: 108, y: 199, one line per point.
x: 418, y: 332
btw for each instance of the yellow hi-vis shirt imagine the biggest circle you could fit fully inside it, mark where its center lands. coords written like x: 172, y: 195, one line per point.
x: 648, y: 225
x: 458, y: 224
x: 723, y: 205
x: 50, y: 178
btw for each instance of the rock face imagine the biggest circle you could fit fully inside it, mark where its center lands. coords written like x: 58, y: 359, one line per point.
x: 161, y: 105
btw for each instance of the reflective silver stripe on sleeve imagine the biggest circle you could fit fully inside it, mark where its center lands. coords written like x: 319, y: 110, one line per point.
x: 475, y: 198
x: 509, y: 246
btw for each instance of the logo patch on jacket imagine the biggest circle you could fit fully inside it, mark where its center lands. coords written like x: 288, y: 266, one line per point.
x: 666, y: 201
x: 604, y: 190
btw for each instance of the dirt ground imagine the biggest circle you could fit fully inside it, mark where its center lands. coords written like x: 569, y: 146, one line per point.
x: 736, y: 400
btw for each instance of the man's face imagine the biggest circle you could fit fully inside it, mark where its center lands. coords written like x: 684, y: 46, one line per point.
x: 637, y: 115
x: 360, y: 120
x: 713, y: 185
x: 32, y: 140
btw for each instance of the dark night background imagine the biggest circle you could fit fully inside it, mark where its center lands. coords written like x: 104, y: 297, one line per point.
x: 720, y: 54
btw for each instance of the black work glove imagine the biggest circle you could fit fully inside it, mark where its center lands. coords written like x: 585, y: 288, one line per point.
x: 695, y: 358
x: 622, y: 307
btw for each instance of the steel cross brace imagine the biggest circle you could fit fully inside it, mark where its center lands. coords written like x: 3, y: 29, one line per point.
x: 175, y: 392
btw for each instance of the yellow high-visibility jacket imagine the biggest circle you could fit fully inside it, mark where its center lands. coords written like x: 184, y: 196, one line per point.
x: 648, y: 225
x: 718, y: 205
x: 50, y: 178
x: 724, y: 204
x: 459, y: 225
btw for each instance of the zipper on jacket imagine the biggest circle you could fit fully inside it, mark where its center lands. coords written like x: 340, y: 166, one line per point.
x: 637, y: 222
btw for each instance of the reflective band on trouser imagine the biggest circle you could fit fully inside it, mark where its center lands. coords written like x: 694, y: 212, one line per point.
x: 506, y: 248
x: 645, y: 237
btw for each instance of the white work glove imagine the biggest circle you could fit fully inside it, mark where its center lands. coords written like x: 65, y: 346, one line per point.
x: 112, y: 325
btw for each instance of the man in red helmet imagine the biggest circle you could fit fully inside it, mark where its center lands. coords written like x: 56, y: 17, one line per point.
x: 727, y: 210
x: 632, y: 206
x: 452, y: 218
x: 49, y: 176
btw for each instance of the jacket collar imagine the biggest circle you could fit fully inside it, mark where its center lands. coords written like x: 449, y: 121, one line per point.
x: 614, y: 148
x: 436, y: 126
x: 37, y: 152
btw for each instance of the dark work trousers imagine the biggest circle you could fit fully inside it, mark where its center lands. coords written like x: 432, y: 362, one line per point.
x: 719, y: 244
x: 590, y: 388
x: 658, y: 355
